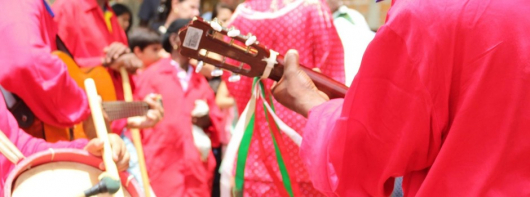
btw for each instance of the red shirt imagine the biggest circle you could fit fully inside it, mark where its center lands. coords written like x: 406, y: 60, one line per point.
x: 83, y: 29
x: 30, y: 71
x: 441, y: 98
x: 173, y: 160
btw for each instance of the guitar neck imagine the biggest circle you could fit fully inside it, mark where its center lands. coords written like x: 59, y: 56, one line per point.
x: 204, y: 37
x: 120, y: 109
x: 329, y: 86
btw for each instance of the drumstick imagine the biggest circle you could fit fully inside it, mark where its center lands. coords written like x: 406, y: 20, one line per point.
x: 101, y: 130
x: 136, y: 138
x: 9, y: 150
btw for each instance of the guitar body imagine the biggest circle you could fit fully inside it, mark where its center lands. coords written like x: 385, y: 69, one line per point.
x: 105, y: 89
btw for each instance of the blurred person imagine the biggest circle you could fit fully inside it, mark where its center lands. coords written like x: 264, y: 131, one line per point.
x: 436, y: 100
x: 124, y: 15
x: 166, y: 12
x: 146, y: 44
x: 105, y: 44
x: 223, y: 12
x: 179, y: 150
x: 150, y: 10
x: 281, y: 25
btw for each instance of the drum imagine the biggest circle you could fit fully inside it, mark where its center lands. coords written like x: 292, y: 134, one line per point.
x: 60, y: 172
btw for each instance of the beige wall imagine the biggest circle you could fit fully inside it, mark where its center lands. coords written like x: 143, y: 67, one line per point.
x: 375, y: 13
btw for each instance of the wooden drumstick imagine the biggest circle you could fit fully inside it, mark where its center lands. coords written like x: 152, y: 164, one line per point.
x: 9, y: 150
x: 101, y: 130
x: 136, y: 137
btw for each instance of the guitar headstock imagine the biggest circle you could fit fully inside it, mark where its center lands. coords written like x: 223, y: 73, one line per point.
x: 201, y: 38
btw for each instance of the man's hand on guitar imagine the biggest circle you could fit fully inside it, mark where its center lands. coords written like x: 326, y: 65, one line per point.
x: 119, y: 151
x: 129, y: 61
x: 118, y: 55
x: 115, y: 50
x: 153, y: 116
x: 295, y: 90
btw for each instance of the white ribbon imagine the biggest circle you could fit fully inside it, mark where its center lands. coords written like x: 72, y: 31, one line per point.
x: 231, y: 151
x: 227, y: 164
x: 271, y: 61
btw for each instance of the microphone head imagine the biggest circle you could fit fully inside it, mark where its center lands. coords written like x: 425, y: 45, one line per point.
x: 112, y: 185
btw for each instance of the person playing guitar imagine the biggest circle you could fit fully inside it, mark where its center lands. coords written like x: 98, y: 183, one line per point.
x: 105, y: 44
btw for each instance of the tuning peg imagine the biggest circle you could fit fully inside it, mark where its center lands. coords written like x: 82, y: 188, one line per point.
x: 216, y: 72
x: 234, y: 77
x: 200, y: 64
x: 251, y: 40
x: 233, y: 32
x: 215, y: 25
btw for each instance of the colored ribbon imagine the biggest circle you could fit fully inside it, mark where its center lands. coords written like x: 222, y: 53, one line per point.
x: 288, y: 186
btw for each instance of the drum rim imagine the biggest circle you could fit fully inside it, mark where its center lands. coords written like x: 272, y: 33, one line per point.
x: 65, y: 155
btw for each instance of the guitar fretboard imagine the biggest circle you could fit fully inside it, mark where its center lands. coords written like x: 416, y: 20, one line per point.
x: 120, y: 109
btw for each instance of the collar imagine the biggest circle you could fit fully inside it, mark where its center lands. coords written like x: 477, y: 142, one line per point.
x: 48, y: 8
x: 182, y: 74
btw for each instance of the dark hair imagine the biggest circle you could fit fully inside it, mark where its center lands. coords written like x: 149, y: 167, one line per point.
x: 221, y: 5
x: 174, y: 27
x: 120, y: 9
x: 142, y: 37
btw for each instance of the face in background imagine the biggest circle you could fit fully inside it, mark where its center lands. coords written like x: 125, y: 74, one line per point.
x: 186, y: 8
x: 223, y: 14
x: 149, y: 55
x: 123, y: 20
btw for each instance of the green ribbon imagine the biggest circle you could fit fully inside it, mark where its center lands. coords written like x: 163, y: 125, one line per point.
x: 278, y: 147
x: 287, y: 183
x: 242, y: 154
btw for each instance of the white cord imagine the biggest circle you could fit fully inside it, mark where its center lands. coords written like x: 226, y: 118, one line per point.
x: 271, y: 61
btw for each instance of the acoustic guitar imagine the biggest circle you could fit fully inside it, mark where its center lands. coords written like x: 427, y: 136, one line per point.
x: 200, y: 39
x: 105, y: 89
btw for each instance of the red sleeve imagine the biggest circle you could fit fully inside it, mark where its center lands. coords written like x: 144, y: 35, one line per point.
x: 29, y: 145
x: 384, y: 130
x: 315, y: 144
x: 23, y: 141
x: 31, y: 72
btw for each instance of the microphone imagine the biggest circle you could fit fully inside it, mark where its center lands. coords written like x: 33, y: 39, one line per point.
x: 106, y: 185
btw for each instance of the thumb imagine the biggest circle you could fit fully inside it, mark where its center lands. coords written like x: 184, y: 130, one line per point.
x: 291, y: 62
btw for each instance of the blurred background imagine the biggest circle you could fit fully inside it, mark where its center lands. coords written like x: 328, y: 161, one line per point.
x: 374, y: 13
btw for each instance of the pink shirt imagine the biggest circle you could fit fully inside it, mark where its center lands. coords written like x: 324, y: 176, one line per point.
x: 441, y: 98
x: 41, y: 79
x: 173, y: 162
x: 30, y: 71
